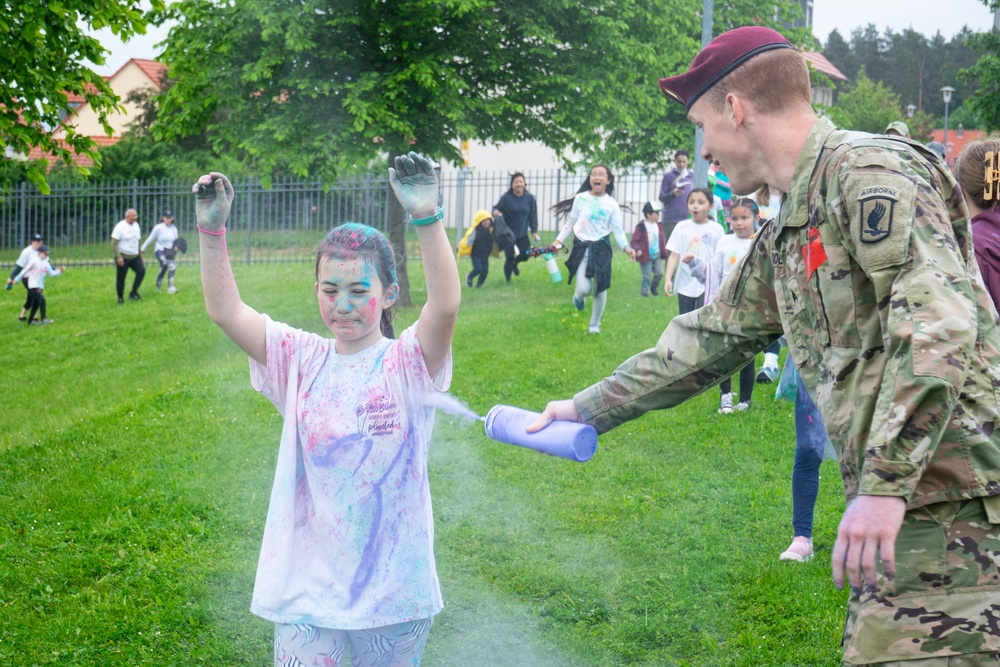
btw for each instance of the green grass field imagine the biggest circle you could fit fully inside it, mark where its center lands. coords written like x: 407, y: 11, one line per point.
x: 136, y: 462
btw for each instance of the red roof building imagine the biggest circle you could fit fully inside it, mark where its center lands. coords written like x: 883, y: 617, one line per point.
x: 958, y: 139
x: 136, y: 73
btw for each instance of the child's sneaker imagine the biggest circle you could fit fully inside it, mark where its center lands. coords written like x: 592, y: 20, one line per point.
x: 767, y: 374
x: 726, y: 404
x: 800, y: 550
x: 743, y: 406
x: 579, y: 302
x: 594, y: 329
x: 468, y: 280
x: 45, y: 320
x: 171, y: 290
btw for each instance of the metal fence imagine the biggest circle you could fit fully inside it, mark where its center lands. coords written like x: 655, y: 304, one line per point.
x: 277, y: 224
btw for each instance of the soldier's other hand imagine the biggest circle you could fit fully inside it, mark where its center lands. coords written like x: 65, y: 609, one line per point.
x: 564, y: 410
x: 120, y: 261
x: 869, y: 527
x: 214, y: 199
x: 630, y: 251
x: 668, y: 287
x: 415, y: 184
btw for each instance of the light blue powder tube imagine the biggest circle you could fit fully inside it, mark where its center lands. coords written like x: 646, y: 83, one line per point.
x: 565, y: 439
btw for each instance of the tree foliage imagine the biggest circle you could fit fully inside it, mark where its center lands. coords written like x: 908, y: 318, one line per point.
x: 329, y: 85
x: 43, y: 46
x: 912, y: 65
x: 319, y: 87
x: 866, y: 105
x: 985, y: 75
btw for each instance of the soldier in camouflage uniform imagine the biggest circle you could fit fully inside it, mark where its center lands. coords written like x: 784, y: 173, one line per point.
x: 869, y: 272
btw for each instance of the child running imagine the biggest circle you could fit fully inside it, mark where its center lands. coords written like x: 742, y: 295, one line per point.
x: 347, y: 559
x: 650, y: 248
x: 691, y: 239
x: 591, y: 216
x: 34, y: 273
x: 479, y: 244
x: 729, y: 250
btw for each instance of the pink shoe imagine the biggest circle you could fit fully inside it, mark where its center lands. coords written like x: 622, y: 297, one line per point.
x: 801, y: 550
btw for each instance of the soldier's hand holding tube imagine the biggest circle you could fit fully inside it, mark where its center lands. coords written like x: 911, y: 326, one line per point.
x: 563, y: 410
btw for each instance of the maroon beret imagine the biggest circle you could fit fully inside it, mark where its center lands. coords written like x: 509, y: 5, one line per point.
x: 722, y: 55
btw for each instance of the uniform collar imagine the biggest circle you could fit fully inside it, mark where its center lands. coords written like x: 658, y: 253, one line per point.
x: 795, y: 203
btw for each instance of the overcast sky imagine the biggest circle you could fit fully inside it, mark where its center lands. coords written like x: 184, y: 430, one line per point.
x: 924, y: 16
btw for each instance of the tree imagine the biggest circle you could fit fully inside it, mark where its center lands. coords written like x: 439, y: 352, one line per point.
x: 866, y: 106
x: 839, y: 52
x: 326, y: 86
x: 44, y: 45
x: 985, y: 100
x: 140, y: 155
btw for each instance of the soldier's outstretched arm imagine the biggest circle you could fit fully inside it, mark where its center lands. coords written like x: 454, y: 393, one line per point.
x: 695, y: 352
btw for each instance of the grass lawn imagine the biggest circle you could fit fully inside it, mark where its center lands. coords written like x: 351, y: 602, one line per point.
x: 136, y: 463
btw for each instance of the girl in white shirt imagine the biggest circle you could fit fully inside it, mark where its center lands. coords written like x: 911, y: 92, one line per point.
x: 591, y: 217
x: 347, y: 559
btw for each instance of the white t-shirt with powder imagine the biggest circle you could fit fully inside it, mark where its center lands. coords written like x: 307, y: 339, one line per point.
x: 349, y: 538
x: 699, y: 239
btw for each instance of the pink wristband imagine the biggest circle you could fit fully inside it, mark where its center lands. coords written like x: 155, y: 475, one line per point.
x: 201, y: 229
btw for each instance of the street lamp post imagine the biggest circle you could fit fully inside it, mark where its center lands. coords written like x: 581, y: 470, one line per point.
x: 946, y: 92
x: 910, y: 109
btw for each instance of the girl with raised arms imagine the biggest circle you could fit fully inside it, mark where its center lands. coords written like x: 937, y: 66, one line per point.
x: 347, y: 559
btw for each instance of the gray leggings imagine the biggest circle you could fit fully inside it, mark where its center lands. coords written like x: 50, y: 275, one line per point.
x: 400, y: 645
x: 167, y: 266
x: 583, y: 288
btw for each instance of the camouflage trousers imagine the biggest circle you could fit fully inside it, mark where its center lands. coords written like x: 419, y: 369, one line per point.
x: 943, y: 608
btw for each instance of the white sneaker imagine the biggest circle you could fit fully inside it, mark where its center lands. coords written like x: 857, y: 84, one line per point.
x: 743, y: 406
x: 594, y: 329
x: 800, y: 550
x: 171, y: 290
x: 726, y: 404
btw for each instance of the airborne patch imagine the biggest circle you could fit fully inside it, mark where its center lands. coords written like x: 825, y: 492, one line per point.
x: 877, y: 207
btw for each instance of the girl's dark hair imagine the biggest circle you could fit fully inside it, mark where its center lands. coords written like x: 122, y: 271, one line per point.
x: 705, y: 191
x: 971, y: 173
x: 746, y: 202
x: 352, y: 239
x: 563, y: 208
x: 516, y: 175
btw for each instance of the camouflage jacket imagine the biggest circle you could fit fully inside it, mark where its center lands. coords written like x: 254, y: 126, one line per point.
x: 869, y: 271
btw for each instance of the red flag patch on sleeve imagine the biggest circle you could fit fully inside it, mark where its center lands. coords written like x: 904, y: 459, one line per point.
x: 813, y: 252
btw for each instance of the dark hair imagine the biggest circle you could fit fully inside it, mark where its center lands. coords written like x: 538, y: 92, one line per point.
x: 563, y: 208
x: 515, y: 175
x: 705, y: 191
x: 352, y: 239
x: 971, y: 173
x: 683, y: 152
x: 746, y: 202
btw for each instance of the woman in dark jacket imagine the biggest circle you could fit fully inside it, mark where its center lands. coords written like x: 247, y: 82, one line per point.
x: 519, y: 210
